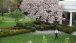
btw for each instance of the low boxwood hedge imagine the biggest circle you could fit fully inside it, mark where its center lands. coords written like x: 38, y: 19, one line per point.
x: 68, y: 30
x: 12, y: 32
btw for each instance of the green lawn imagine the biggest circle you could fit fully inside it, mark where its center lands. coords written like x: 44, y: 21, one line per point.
x: 9, y: 22
x: 36, y: 38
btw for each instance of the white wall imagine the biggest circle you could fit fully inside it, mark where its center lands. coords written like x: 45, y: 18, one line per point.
x: 69, y: 6
x: 69, y: 0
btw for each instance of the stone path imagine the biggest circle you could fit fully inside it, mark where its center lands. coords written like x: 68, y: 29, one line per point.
x: 74, y: 33
x: 48, y: 32
x: 51, y: 32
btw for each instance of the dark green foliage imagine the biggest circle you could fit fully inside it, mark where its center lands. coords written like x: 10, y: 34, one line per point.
x: 17, y: 15
x: 19, y: 1
x: 19, y: 24
x: 68, y: 30
x: 59, y: 27
x: 28, y: 27
x: 25, y: 13
x: 74, y: 28
x: 33, y: 29
x: 37, y: 22
x: 47, y: 23
x: 24, y: 26
x: 47, y: 27
x: 53, y: 26
x: 37, y: 27
x: 42, y: 28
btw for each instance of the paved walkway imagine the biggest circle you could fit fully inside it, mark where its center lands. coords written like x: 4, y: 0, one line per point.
x: 48, y: 32
x: 74, y: 33
x: 51, y: 32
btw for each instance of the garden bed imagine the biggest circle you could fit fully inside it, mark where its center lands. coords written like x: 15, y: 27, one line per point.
x: 8, y: 32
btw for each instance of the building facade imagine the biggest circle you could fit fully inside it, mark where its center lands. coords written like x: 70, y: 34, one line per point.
x: 69, y: 11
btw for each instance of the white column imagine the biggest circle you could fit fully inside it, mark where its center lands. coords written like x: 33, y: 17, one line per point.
x: 70, y: 21
x: 60, y: 22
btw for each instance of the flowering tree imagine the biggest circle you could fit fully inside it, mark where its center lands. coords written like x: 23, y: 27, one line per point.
x: 43, y: 9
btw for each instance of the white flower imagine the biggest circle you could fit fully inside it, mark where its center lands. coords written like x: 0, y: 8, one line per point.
x: 29, y: 41
x: 41, y: 8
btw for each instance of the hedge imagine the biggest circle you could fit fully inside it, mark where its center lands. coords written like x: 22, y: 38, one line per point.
x: 12, y: 32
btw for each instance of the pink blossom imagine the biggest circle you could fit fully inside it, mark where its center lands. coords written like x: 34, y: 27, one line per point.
x: 43, y: 8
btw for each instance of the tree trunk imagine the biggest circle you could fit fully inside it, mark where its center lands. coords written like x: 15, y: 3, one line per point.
x: 2, y: 14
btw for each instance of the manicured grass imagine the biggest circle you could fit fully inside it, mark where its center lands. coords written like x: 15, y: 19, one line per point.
x: 9, y: 22
x: 36, y: 38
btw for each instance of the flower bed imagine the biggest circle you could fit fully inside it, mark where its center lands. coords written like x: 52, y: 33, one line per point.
x: 6, y: 28
x: 33, y: 27
x: 12, y: 32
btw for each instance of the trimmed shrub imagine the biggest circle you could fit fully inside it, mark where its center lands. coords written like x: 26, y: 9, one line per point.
x: 42, y: 28
x: 37, y: 27
x: 47, y: 23
x: 31, y: 24
x: 47, y: 27
x: 28, y: 27
x: 68, y: 30
x: 33, y: 29
x: 53, y: 26
x: 59, y: 27
x: 74, y: 28
x: 19, y: 25
x: 28, y: 24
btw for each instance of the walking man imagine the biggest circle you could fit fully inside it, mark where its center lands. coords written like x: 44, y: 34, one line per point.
x: 56, y: 34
